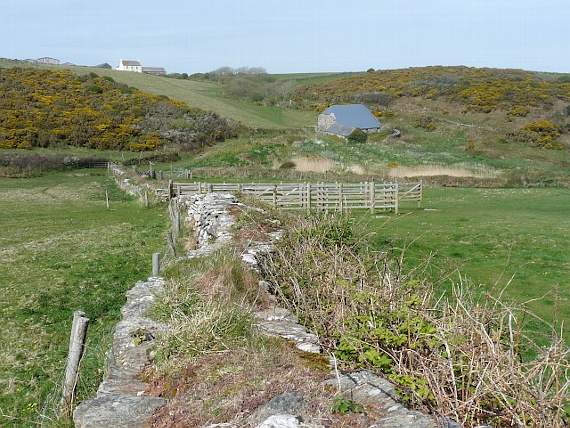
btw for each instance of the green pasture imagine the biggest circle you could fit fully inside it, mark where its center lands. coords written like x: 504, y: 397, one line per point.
x: 61, y: 250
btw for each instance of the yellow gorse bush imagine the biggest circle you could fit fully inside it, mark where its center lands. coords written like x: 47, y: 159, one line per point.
x: 478, y: 89
x: 41, y: 108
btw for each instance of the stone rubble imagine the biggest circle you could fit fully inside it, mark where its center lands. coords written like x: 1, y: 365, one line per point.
x: 211, y: 220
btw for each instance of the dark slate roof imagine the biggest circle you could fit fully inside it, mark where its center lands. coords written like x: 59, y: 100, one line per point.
x: 350, y: 116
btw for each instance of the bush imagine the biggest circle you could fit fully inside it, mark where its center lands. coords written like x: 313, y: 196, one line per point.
x: 287, y: 165
x: 427, y: 123
x: 358, y: 136
x: 464, y: 357
x: 542, y: 133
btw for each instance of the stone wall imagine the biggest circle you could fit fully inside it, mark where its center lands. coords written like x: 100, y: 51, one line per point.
x: 121, y: 400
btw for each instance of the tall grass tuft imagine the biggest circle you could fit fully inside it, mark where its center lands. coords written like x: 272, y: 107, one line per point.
x: 208, y: 304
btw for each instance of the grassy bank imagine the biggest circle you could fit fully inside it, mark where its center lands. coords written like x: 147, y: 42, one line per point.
x: 490, y: 236
x: 62, y: 250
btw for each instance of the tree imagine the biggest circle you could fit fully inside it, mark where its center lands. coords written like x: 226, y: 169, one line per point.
x: 358, y: 136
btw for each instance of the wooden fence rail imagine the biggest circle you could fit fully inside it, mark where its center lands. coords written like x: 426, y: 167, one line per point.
x: 314, y: 196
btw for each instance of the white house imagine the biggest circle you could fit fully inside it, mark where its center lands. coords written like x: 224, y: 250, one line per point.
x: 130, y: 65
x: 137, y: 67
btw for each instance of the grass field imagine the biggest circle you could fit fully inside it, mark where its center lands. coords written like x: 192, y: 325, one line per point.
x: 61, y: 250
x: 491, y: 236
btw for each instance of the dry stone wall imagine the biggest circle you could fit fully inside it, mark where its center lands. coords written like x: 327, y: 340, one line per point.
x: 121, y: 401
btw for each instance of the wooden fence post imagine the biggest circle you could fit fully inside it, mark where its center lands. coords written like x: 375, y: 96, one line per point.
x: 372, y: 197
x: 76, y: 347
x: 145, y: 198
x: 156, y: 264
x: 308, y: 197
x: 421, y: 193
x: 170, y: 189
x: 341, y: 198
x: 107, y: 198
x: 275, y: 196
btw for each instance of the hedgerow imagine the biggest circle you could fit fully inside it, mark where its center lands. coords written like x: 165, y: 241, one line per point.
x: 465, y: 357
x: 42, y: 108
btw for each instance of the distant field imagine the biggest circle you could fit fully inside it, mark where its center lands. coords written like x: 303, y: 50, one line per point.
x: 489, y: 236
x: 61, y: 250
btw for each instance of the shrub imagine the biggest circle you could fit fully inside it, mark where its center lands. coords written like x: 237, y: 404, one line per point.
x: 542, y: 133
x: 358, y: 136
x: 287, y: 165
x: 427, y: 123
x: 381, y: 98
x: 462, y: 357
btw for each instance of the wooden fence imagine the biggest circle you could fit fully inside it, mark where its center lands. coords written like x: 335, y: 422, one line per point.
x: 315, y: 196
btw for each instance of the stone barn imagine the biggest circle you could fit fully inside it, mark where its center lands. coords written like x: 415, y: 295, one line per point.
x: 343, y: 119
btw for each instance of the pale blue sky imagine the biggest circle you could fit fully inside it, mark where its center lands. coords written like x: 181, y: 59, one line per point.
x: 291, y: 35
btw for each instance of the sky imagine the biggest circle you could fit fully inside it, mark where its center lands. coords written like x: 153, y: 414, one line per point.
x: 292, y: 35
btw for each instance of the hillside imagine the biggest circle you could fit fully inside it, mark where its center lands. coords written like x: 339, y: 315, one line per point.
x: 476, y: 89
x: 42, y: 108
x: 202, y: 94
x: 457, y: 121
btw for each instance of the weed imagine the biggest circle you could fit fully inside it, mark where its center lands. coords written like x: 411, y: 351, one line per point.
x: 345, y: 406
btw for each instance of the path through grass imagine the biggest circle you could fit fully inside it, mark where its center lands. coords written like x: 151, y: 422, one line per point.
x: 62, y: 250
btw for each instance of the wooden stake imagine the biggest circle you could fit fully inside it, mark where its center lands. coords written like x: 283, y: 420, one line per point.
x: 156, y: 264
x: 107, y: 198
x: 274, y: 196
x: 372, y: 197
x: 76, y: 347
